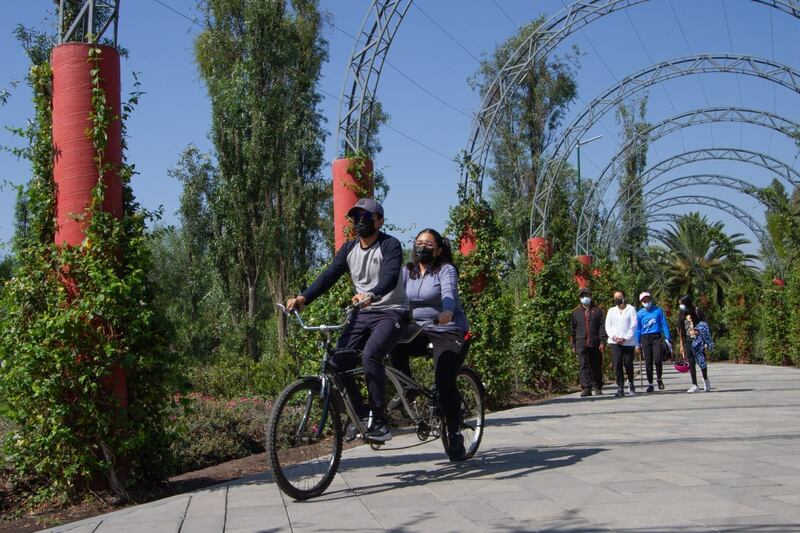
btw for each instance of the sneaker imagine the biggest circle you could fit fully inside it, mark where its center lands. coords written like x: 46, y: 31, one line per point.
x: 706, y: 385
x: 620, y: 393
x: 455, y: 448
x: 660, y: 385
x: 598, y: 392
x: 379, y: 432
x: 650, y: 388
x: 692, y: 389
x: 631, y: 389
x: 586, y: 392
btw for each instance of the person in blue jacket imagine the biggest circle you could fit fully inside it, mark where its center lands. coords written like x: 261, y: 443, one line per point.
x: 651, y: 330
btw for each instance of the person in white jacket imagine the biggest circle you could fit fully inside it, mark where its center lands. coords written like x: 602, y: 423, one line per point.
x: 621, y: 329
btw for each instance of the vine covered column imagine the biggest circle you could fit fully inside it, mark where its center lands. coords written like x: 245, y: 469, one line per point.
x: 87, y: 141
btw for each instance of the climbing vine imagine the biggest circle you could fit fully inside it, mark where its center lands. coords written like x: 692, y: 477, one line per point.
x: 73, y: 315
x: 481, y: 273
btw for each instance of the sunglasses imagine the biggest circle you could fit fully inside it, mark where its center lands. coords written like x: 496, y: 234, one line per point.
x: 361, y: 215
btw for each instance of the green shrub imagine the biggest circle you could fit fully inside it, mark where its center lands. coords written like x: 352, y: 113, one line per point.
x: 540, y: 330
x: 233, y: 376
x: 209, y: 431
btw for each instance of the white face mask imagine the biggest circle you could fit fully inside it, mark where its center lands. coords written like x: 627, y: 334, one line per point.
x: 683, y: 307
x: 648, y: 305
x: 586, y: 300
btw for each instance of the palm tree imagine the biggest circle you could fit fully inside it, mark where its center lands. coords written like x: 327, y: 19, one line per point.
x: 700, y: 258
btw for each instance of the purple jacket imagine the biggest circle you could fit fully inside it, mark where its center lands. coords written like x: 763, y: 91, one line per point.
x: 434, y: 292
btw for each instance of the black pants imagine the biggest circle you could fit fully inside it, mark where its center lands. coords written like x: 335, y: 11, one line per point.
x: 651, y: 348
x: 622, y: 357
x: 590, y: 361
x: 448, y: 356
x: 374, y: 333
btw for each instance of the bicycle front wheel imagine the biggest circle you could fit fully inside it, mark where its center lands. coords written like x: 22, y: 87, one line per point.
x: 304, y: 439
x: 471, y: 415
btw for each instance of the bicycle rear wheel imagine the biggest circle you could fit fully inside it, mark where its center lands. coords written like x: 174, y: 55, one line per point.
x: 471, y: 414
x: 304, y: 440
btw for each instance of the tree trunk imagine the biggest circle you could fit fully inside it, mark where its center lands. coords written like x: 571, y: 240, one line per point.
x: 251, y: 331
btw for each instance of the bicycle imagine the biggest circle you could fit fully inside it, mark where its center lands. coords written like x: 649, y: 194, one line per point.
x: 305, y: 435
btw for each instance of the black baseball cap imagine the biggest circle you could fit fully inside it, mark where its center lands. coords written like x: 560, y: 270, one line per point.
x: 367, y: 204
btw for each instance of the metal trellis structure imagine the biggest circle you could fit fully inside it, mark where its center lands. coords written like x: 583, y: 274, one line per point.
x: 704, y: 63
x: 91, y: 20
x: 615, y: 167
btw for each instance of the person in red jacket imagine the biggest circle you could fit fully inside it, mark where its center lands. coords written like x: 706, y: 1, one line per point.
x: 588, y: 338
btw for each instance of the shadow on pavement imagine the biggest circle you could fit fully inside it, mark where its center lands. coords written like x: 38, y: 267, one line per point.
x: 503, y: 463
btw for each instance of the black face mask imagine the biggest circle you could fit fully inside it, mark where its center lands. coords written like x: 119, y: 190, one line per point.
x: 365, y: 228
x: 425, y: 255
x: 619, y: 301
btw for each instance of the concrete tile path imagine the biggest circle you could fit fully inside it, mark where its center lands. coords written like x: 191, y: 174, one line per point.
x: 728, y: 460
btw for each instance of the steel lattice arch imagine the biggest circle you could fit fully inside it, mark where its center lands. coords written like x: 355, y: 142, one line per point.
x: 777, y: 168
x: 615, y: 168
x: 653, y: 214
x: 705, y: 63
x: 380, y: 25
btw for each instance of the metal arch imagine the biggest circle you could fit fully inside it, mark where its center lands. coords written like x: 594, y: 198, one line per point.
x: 92, y: 19
x: 363, y: 72
x: 537, y: 46
x: 369, y: 53
x: 609, y: 99
x: 614, y: 168
x: 729, y: 182
x: 707, y: 201
x: 777, y: 167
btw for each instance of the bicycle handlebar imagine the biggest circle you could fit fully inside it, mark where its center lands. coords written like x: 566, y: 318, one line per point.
x: 323, y: 327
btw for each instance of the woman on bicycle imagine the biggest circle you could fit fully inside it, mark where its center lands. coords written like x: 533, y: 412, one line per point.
x: 431, y: 283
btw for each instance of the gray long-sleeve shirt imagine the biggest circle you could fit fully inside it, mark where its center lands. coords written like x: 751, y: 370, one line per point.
x: 375, y: 270
x: 434, y: 292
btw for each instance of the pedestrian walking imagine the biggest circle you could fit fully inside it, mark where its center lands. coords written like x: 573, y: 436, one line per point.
x: 588, y: 338
x: 651, y: 330
x: 621, y: 329
x: 699, y: 341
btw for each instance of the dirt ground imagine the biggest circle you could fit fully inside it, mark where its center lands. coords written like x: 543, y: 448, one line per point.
x: 50, y: 516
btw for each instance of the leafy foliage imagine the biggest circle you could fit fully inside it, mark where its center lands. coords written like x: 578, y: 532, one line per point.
x: 72, y: 316
x: 261, y: 62
x: 540, y: 335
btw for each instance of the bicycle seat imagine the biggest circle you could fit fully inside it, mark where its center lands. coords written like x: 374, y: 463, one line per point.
x: 414, y: 329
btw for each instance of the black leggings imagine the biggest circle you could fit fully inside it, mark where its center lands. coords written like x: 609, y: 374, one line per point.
x: 689, y: 353
x: 651, y: 348
x: 448, y: 356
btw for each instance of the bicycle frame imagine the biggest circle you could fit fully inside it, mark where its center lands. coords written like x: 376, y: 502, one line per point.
x: 401, y: 381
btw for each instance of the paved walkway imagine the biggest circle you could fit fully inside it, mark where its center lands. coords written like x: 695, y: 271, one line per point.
x: 728, y: 460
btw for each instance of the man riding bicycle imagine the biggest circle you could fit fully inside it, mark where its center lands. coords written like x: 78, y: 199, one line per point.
x: 374, y: 261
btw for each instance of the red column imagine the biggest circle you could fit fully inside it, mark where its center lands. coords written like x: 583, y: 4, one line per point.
x: 582, y: 275
x: 345, y: 194
x: 539, y: 251
x: 75, y: 171
x: 466, y: 245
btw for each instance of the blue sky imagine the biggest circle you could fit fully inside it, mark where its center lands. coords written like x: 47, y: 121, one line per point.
x: 423, y: 179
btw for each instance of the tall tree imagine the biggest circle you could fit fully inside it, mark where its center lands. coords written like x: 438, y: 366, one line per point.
x: 631, y: 117
x: 783, y: 222
x: 533, y: 112
x: 261, y: 60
